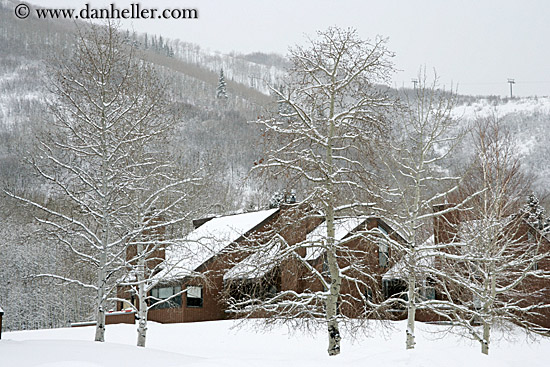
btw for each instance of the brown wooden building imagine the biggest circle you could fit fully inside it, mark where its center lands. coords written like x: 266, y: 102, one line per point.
x: 217, y: 253
x: 450, y: 231
x: 239, y: 252
x: 194, y: 271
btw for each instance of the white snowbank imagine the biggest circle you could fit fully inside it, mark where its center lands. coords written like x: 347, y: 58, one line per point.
x: 79, y: 353
x: 217, y: 344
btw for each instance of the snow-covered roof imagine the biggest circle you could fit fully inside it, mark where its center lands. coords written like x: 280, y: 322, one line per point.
x: 342, y: 227
x: 208, y: 240
x: 256, y: 265
x: 396, y: 228
x: 544, y: 233
x: 399, y: 269
x: 470, y: 229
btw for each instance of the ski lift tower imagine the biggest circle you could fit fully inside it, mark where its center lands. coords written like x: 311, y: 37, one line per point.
x: 511, y: 81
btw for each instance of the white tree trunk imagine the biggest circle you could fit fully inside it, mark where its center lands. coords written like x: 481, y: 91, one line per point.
x: 411, y: 281
x: 335, y: 278
x: 411, y: 312
x: 142, y: 324
x: 142, y: 294
x: 487, y: 310
x: 105, y: 222
x: 101, y: 283
x: 334, y: 291
x: 100, y: 325
x: 486, y: 337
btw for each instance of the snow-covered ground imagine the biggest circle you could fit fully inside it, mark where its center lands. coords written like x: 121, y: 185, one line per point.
x: 216, y: 343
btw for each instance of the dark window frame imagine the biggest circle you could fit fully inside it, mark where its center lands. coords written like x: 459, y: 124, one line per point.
x: 174, y: 302
x: 194, y: 302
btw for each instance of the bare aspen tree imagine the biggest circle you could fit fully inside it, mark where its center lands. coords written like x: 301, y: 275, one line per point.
x: 100, y: 156
x: 495, y: 270
x: 331, y: 118
x: 147, y: 265
x: 161, y: 199
x: 426, y: 137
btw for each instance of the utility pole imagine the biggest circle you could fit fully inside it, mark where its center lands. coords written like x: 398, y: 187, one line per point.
x: 511, y: 81
x: 415, y: 82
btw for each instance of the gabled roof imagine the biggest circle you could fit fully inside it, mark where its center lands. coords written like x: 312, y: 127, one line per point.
x: 256, y: 265
x: 316, y: 238
x: 427, y: 259
x: 265, y: 259
x: 544, y: 233
x: 395, y: 228
x: 208, y: 240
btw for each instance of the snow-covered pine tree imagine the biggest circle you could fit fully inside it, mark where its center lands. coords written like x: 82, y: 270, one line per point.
x: 221, y: 90
x: 536, y: 214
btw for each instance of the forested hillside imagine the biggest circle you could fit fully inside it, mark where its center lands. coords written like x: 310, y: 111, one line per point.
x: 211, y: 129
x: 215, y: 135
x: 212, y: 133
x: 528, y: 122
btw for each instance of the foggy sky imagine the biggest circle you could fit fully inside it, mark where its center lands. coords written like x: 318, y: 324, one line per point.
x: 474, y: 44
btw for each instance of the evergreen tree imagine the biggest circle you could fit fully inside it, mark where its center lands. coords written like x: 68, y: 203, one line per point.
x: 221, y: 91
x: 536, y: 214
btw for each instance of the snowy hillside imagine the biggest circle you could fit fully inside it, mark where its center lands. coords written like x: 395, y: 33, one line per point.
x: 528, y: 121
x: 236, y: 67
x: 484, y: 107
x: 218, y: 344
x: 213, y: 136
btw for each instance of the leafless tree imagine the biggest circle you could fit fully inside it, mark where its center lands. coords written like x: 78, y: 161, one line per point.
x: 331, y: 117
x: 492, y: 273
x: 101, y: 156
x: 419, y: 179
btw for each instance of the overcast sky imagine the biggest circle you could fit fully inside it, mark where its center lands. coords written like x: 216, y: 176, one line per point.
x: 475, y: 44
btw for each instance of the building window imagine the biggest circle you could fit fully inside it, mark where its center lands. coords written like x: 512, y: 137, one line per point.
x: 368, y: 295
x: 383, y: 249
x: 395, y: 288
x: 324, y: 267
x: 429, y: 292
x: 533, y: 255
x: 162, y: 293
x: 194, y: 296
